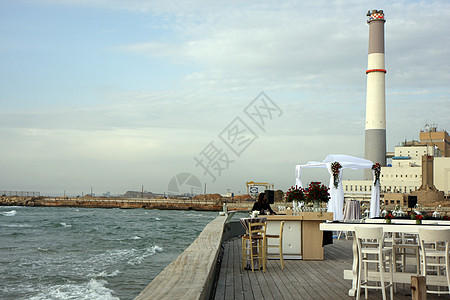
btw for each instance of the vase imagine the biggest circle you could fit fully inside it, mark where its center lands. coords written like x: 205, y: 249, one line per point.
x: 388, y: 221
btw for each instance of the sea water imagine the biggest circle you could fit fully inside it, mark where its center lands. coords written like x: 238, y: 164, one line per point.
x: 89, y: 253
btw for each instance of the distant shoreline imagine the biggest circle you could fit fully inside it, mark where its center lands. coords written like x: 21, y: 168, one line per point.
x: 125, y: 203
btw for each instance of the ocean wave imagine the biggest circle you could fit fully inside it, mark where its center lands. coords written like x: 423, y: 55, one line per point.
x: 94, y: 289
x: 16, y: 225
x: 157, y: 219
x: 9, y: 213
x: 104, y: 274
x: 45, y: 250
x: 157, y: 248
x: 137, y: 260
x: 65, y: 225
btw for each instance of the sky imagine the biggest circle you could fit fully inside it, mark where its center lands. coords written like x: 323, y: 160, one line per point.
x: 112, y: 96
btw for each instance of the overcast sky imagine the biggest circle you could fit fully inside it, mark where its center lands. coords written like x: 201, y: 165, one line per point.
x: 115, y: 95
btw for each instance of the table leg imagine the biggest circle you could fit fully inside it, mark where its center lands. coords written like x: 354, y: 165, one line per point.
x: 352, y: 291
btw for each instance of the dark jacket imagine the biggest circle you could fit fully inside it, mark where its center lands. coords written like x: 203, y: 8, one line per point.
x: 262, y: 208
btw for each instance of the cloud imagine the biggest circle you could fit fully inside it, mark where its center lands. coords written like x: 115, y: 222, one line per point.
x: 213, y: 59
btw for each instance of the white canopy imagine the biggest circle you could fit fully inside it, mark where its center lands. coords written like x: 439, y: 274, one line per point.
x: 336, y: 203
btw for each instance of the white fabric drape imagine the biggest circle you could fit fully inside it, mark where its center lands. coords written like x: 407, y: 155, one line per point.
x: 375, y: 199
x: 336, y: 203
x: 298, y: 181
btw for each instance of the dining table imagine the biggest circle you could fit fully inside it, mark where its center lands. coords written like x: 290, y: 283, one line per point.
x: 246, y: 224
x: 400, y: 226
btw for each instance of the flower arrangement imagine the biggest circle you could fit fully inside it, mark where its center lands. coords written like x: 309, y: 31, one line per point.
x: 335, y: 167
x: 295, y: 193
x: 389, y: 217
x: 417, y: 217
x: 317, y: 192
x: 376, y: 167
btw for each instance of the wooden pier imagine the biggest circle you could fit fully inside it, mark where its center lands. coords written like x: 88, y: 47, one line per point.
x: 300, y: 279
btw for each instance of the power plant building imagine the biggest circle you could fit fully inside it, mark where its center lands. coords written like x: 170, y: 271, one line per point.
x: 405, y: 172
x: 414, y: 166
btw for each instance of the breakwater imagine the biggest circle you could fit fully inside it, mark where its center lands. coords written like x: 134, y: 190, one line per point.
x: 166, y: 204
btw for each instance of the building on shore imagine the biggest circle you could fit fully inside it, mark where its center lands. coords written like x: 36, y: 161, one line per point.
x: 414, y: 166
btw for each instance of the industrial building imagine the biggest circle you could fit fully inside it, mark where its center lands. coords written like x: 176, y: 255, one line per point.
x: 415, y: 165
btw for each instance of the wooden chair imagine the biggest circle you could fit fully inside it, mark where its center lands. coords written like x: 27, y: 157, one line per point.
x: 254, y: 246
x: 434, y: 244
x: 279, y: 245
x: 371, y: 249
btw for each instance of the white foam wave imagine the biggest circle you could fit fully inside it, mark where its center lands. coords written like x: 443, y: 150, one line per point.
x: 94, y: 289
x: 137, y: 260
x: 157, y: 219
x: 104, y: 274
x: 45, y: 250
x: 16, y: 225
x: 9, y: 213
x: 65, y: 225
x: 136, y: 237
x: 157, y: 248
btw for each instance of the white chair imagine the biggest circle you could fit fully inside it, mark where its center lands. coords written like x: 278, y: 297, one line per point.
x: 401, y: 243
x: 435, y: 258
x: 371, y: 250
x: 279, y: 245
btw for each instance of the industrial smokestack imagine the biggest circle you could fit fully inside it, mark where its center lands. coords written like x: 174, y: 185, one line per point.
x: 375, y: 135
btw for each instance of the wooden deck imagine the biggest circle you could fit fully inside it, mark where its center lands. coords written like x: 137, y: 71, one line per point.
x: 299, y: 279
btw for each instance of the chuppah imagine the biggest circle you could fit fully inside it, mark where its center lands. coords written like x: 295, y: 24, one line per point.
x: 335, y: 164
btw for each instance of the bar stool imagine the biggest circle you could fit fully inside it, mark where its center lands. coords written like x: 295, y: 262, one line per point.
x: 371, y: 249
x: 254, y: 246
x: 279, y: 245
x: 435, y: 258
x: 401, y: 245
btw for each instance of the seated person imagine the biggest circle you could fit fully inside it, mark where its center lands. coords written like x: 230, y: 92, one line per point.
x: 262, y: 205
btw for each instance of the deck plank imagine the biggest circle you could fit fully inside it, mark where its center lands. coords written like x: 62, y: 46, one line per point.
x: 299, y: 280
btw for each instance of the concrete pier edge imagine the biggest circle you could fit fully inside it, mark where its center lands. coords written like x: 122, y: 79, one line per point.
x: 192, y: 274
